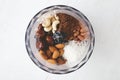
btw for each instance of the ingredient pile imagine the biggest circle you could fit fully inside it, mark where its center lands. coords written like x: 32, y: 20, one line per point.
x: 58, y: 38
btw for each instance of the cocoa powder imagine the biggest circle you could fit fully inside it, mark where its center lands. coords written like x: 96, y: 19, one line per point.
x: 67, y: 24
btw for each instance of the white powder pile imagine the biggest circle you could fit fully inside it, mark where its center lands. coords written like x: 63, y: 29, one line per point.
x: 74, y: 51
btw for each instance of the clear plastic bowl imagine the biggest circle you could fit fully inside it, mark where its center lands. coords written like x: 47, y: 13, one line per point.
x: 30, y: 41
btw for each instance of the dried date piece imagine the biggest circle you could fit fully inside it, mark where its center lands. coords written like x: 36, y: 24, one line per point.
x: 40, y: 32
x: 61, y: 61
x: 39, y: 45
x: 49, y: 40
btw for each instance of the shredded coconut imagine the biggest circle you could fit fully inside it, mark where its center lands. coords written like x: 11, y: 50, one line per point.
x: 74, y: 51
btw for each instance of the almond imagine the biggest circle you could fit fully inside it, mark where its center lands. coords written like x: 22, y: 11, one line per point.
x: 41, y: 52
x: 48, y: 53
x: 76, y: 33
x: 59, y: 46
x: 83, y: 29
x: 55, y: 54
x: 52, y: 48
x: 71, y: 38
x: 83, y: 33
x: 52, y: 61
x: 61, y: 52
x: 81, y: 37
x: 74, y: 30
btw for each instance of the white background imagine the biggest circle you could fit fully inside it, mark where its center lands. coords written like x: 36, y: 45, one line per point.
x: 15, y: 63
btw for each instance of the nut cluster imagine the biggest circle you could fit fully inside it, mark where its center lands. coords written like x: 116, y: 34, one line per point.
x: 54, y: 32
x: 49, y: 50
x: 51, y: 23
x: 79, y: 34
x: 54, y: 54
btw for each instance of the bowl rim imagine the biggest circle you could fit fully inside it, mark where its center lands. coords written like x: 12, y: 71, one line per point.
x: 65, y: 71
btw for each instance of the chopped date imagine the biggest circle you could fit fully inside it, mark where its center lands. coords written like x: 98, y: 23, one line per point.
x: 49, y: 40
x: 39, y: 45
x: 39, y: 34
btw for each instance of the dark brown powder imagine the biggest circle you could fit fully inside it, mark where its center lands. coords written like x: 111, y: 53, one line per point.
x: 67, y: 24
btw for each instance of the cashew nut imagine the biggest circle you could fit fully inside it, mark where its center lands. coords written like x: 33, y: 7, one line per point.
x: 46, y: 23
x: 53, y: 31
x: 53, y: 19
x: 56, y: 17
x: 54, y: 24
x: 47, y: 29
